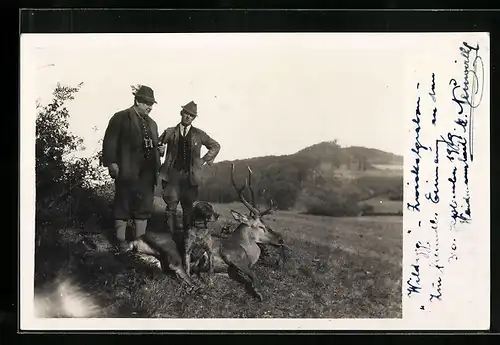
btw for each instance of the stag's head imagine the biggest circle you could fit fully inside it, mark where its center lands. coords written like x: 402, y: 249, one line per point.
x: 258, y: 230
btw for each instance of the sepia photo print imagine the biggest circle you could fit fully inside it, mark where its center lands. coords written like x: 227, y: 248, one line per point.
x: 215, y: 176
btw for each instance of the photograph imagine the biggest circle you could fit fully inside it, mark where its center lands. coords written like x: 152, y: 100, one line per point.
x: 229, y: 176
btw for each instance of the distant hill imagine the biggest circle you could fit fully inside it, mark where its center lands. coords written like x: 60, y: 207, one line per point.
x: 330, y: 151
x: 315, y: 174
x: 374, y: 156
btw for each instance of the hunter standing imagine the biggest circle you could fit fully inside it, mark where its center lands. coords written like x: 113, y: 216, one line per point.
x: 181, y: 170
x: 132, y: 155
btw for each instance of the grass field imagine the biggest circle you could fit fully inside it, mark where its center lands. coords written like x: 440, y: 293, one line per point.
x: 338, y: 268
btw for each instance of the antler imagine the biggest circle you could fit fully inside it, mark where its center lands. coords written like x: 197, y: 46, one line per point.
x: 240, y: 193
x: 270, y: 210
x: 250, y: 187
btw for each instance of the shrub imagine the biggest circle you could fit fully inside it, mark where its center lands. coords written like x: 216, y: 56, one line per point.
x: 65, y: 184
x: 366, y: 209
x: 336, y: 199
x: 391, y: 186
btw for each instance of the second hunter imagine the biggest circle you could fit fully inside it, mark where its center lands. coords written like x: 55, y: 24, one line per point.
x: 180, y: 173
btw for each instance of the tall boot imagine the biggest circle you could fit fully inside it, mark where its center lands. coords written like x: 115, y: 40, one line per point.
x: 170, y: 217
x: 186, y: 218
x: 120, y: 231
x: 140, y: 227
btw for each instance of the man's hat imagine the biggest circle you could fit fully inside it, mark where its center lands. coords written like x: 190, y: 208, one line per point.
x: 145, y: 93
x: 191, y: 108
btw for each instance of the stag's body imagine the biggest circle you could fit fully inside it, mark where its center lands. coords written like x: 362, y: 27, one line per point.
x: 240, y: 251
x: 241, y: 238
x: 162, y: 247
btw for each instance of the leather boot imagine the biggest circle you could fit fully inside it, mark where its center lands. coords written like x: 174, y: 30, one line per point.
x: 140, y: 227
x: 170, y: 217
x: 120, y: 231
x: 186, y: 219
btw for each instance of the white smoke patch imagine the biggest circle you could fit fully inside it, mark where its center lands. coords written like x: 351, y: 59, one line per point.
x: 64, y: 299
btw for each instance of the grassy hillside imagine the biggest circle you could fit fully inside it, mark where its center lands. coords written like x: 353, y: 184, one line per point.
x: 321, y: 179
x: 337, y: 268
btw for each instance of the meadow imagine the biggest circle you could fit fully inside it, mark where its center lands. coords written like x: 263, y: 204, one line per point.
x: 337, y: 268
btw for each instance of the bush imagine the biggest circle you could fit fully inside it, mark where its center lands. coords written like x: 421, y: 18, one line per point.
x: 391, y: 186
x: 332, y: 197
x: 333, y: 208
x: 366, y: 209
x: 65, y: 184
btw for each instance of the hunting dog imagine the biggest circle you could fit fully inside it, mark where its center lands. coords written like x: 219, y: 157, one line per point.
x: 163, y: 246
x: 198, y: 236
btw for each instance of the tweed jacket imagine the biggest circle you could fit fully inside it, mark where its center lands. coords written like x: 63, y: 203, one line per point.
x: 170, y: 137
x: 123, y: 144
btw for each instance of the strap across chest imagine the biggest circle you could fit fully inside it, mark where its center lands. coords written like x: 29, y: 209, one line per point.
x: 146, y: 133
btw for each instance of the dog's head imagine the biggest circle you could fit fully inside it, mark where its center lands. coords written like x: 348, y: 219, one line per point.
x: 203, y: 211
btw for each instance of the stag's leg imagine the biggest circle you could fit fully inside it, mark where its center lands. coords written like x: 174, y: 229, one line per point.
x: 174, y: 263
x: 236, y: 274
x: 243, y: 266
x: 237, y: 260
x: 255, y: 284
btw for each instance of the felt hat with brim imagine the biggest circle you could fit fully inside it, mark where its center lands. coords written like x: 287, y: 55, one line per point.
x: 191, y: 108
x: 145, y: 93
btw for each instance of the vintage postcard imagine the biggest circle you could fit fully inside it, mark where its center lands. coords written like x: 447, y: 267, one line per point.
x: 291, y: 181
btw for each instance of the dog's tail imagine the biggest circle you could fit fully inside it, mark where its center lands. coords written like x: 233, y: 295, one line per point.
x: 64, y: 298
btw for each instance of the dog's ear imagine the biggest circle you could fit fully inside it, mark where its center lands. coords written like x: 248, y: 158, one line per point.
x: 208, y: 207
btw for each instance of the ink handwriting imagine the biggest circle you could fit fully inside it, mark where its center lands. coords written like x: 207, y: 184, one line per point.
x: 433, y: 88
x: 414, y: 281
x: 438, y: 293
x: 476, y: 73
x: 415, y: 171
x: 472, y: 89
x: 434, y: 195
x: 453, y: 252
x: 450, y: 172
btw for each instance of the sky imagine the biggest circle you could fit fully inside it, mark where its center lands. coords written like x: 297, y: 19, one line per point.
x: 257, y: 94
